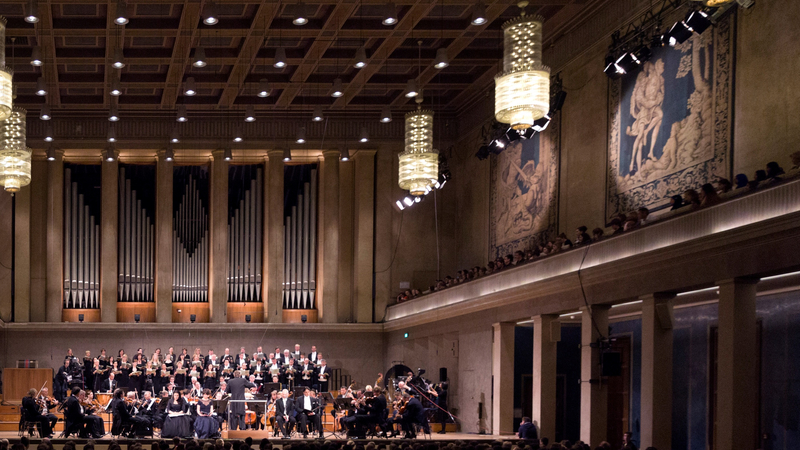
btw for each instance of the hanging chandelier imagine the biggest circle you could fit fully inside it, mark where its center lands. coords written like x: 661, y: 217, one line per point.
x: 15, y: 156
x: 6, y: 89
x: 419, y: 163
x: 522, y: 90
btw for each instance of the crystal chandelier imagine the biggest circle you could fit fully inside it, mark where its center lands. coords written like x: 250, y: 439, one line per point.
x: 419, y: 163
x: 522, y: 90
x: 6, y: 90
x: 15, y: 156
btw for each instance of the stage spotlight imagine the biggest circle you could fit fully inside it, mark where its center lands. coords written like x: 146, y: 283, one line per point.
x: 444, y: 177
x: 483, y: 152
x: 528, y: 133
x: 408, y: 201
x: 643, y: 54
x: 678, y: 34
x: 400, y: 205
x: 628, y: 62
x: 512, y: 135
x: 697, y: 21
x: 612, y: 69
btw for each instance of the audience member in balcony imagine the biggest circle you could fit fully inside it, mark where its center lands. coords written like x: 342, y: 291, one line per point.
x: 530, y: 255
x: 616, y: 226
x: 708, y: 196
x: 676, y: 201
x: 566, y: 244
x: 507, y: 260
x: 641, y: 214
x: 759, y: 177
x: 774, y: 171
x: 691, y: 198
x: 631, y: 222
x: 597, y: 234
x: 490, y: 268
x: 519, y: 258
x: 723, y: 186
x: 741, y: 181
x: 581, y: 237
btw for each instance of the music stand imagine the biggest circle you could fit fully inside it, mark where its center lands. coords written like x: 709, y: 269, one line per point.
x: 298, y: 391
x: 269, y: 387
x: 339, y: 404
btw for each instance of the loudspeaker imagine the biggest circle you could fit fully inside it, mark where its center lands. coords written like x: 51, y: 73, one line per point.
x: 80, y: 317
x: 247, y: 318
x: 137, y: 317
x: 612, y: 364
x: 304, y: 318
x: 193, y: 317
x: 442, y: 373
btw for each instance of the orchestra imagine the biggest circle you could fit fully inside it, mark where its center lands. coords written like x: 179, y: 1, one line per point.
x: 185, y: 395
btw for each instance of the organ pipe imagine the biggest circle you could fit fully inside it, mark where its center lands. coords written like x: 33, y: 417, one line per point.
x: 300, y: 248
x: 135, y: 245
x: 244, y: 233
x: 190, y: 241
x: 81, y: 247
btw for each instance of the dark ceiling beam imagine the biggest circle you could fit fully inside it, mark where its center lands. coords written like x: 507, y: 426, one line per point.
x: 190, y: 17
x: 247, y: 55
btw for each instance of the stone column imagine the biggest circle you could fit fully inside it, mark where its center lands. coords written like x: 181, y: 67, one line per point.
x: 737, y: 365
x: 55, y: 237
x: 109, y: 196
x: 503, y: 378
x: 365, y: 234
x: 38, y: 246
x: 594, y: 396
x: 163, y: 226
x: 273, y: 236
x: 347, y: 301
x: 218, y: 230
x: 22, y: 256
x: 328, y: 218
x: 656, y: 404
x: 546, y: 334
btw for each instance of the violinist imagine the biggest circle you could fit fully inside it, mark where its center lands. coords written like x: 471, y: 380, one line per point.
x: 376, y: 409
x: 48, y: 403
x: 31, y: 408
x: 92, y: 405
x: 130, y: 425
x: 270, y: 415
x: 76, y: 419
x: 411, y: 413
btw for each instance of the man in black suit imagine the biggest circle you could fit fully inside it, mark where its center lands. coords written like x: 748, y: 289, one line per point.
x: 110, y: 384
x: 308, y: 409
x: 147, y: 412
x: 285, y: 413
x: 76, y: 421
x: 235, y: 388
x: 414, y: 414
x: 30, y: 411
x: 527, y: 430
x: 376, y: 410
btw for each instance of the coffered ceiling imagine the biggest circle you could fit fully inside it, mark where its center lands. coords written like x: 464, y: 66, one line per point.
x: 78, y: 40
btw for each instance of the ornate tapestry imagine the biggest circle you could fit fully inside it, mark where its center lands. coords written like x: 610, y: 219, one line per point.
x: 524, y: 192
x: 670, y: 122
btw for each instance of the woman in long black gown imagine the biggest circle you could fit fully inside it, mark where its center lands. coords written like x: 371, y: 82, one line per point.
x: 205, y: 425
x: 177, y: 423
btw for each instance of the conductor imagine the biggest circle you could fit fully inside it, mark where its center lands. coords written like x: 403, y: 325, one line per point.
x: 235, y: 388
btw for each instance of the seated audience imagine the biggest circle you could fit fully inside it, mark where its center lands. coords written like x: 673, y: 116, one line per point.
x: 691, y: 198
x: 741, y: 181
x: 724, y: 186
x: 597, y: 234
x: 708, y: 196
x: 774, y: 171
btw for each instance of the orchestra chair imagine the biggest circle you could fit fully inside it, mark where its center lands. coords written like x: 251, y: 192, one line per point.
x: 29, y: 426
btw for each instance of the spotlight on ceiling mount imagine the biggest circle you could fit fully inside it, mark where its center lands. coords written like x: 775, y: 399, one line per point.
x: 44, y: 113
x: 678, y: 34
x: 176, y: 136
x: 386, y: 114
x: 41, y: 88
x: 109, y: 155
x: 250, y: 114
x: 317, y: 115
x: 111, y: 136
x: 479, y: 14
x: 32, y: 12
x: 697, y: 21
x: 169, y: 153
x: 113, y: 113
x: 121, y: 13
x: 51, y: 153
x: 48, y: 134
x: 280, y: 58
x: 237, y: 134
x: 210, y: 14
x: 227, y: 154
x: 119, y: 60
x: 181, y: 116
x: 612, y: 69
x: 411, y: 88
x: 263, y: 88
x: 361, y: 58
x: 301, y: 135
x: 36, y: 56
x: 287, y: 154
x: 189, y: 87
x: 337, y: 90
x: 364, y: 137
x: 116, y: 91
x: 344, y: 154
x: 300, y: 14
x: 441, y: 59
x: 389, y: 14
x: 199, y: 59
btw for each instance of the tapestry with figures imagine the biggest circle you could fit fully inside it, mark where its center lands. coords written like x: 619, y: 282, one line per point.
x: 670, y: 122
x: 524, y: 192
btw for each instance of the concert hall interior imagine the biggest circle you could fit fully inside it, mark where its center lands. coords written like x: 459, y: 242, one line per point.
x: 565, y: 219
